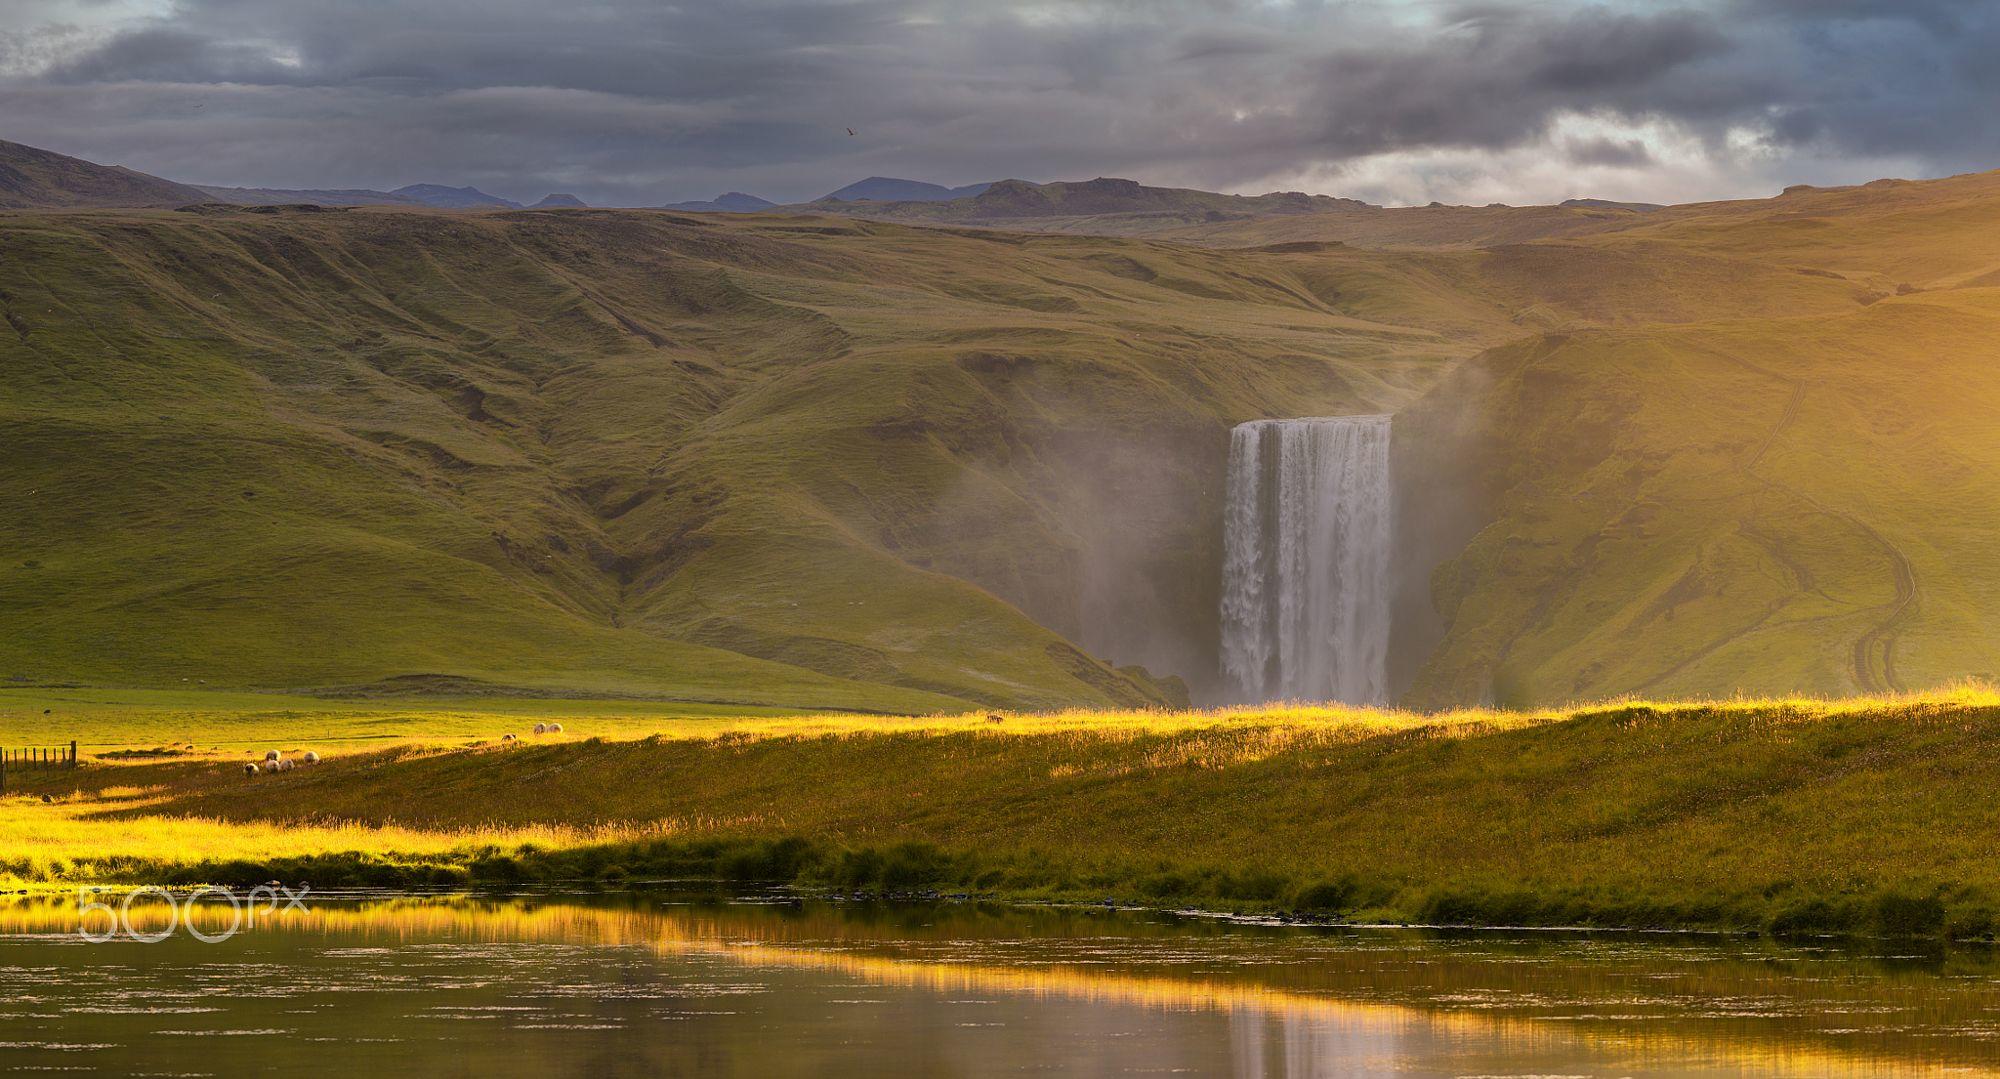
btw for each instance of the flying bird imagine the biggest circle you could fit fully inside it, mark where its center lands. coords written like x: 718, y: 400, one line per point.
x: 850, y: 132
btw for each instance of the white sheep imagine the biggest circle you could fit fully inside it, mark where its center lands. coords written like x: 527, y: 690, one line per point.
x: 272, y: 755
x: 250, y: 768
x: 270, y: 765
x: 541, y: 728
x: 555, y: 728
x: 506, y: 738
x: 311, y: 757
x: 287, y: 765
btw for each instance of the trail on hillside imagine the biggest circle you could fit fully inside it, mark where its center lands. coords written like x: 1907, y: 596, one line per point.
x: 1874, y: 658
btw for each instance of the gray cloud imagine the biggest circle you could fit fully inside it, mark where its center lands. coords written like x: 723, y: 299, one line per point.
x: 635, y: 102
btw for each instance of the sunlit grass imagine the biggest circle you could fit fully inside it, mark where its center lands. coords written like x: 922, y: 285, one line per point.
x: 83, y: 836
x: 202, y: 724
x: 1626, y: 812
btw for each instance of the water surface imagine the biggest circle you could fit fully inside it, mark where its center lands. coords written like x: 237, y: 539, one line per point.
x: 651, y: 984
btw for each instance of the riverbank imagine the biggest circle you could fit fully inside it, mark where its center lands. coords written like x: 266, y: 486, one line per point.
x: 1796, y: 817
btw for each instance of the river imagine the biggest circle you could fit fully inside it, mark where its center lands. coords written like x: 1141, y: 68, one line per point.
x: 655, y: 983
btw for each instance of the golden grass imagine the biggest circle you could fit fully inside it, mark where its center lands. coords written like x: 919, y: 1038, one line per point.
x: 47, y: 844
x: 1732, y: 807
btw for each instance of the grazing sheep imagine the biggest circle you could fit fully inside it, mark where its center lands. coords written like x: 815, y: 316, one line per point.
x: 286, y: 766
x: 506, y: 738
x: 541, y: 728
x: 555, y: 728
x: 272, y: 755
x: 311, y: 757
x: 270, y: 765
x: 250, y: 768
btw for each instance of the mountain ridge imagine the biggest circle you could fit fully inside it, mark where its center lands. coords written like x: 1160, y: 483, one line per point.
x: 34, y: 178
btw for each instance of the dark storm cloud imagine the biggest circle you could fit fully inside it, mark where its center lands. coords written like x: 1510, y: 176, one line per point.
x: 1623, y: 153
x: 634, y: 101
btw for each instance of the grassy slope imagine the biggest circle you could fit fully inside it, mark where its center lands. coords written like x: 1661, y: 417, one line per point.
x: 782, y: 461
x: 36, y: 178
x: 1627, y: 815
x: 813, y: 462
x: 1786, y: 504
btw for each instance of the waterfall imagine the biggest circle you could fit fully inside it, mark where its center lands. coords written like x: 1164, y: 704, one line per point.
x: 1306, y: 560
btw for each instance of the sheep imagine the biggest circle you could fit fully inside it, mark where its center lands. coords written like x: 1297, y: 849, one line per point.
x: 272, y: 755
x: 270, y: 765
x: 555, y: 728
x: 311, y: 757
x: 250, y: 768
x: 541, y: 728
x: 506, y: 738
x: 286, y: 766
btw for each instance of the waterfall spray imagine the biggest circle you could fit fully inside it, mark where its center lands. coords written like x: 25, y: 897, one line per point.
x: 1306, y: 560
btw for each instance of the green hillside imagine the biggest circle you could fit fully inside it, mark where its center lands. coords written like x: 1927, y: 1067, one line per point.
x: 817, y: 462
x: 783, y: 460
x: 1790, y: 503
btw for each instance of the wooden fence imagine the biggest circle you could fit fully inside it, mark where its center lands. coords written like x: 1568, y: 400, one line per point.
x: 34, y: 757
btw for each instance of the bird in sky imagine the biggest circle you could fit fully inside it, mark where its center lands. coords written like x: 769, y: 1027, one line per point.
x: 850, y: 132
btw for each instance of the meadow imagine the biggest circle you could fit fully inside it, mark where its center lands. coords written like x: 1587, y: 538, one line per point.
x: 1868, y: 815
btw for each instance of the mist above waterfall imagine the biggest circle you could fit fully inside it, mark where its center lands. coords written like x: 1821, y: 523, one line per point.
x: 1306, y: 560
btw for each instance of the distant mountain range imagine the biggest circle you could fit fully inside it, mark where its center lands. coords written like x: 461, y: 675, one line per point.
x: 1013, y: 201
x: 735, y: 202
x: 32, y: 178
x: 436, y: 196
x: 278, y: 196
x: 455, y: 198
x: 890, y: 189
x: 1606, y: 204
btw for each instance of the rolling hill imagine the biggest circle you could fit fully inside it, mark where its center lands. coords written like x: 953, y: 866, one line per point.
x: 836, y: 461
x: 278, y: 196
x: 796, y: 460
x: 1114, y: 207
x: 1803, y: 500
x: 730, y: 202
x: 35, y: 179
x: 890, y: 189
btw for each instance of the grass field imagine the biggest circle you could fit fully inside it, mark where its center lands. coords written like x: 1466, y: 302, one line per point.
x: 1864, y: 816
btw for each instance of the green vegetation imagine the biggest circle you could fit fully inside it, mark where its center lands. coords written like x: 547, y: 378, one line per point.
x: 1795, y: 816
x: 790, y: 462
x: 829, y: 463
x: 783, y: 461
x: 1769, y: 505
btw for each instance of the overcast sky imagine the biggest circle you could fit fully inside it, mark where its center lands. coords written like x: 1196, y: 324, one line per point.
x: 637, y: 102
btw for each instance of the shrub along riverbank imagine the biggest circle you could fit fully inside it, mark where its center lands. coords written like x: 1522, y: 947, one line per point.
x: 1796, y: 817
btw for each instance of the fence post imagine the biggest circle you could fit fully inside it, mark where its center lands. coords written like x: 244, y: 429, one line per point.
x: 72, y: 753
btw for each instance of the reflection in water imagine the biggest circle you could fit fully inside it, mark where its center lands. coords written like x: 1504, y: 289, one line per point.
x: 650, y: 984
